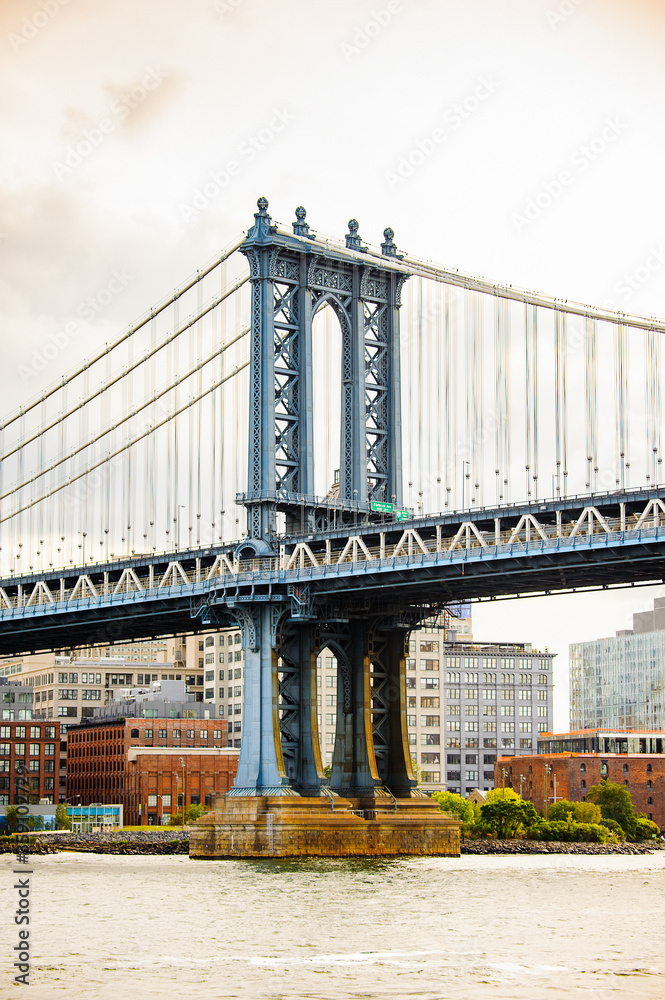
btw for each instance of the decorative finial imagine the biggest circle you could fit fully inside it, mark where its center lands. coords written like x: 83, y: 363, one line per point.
x: 353, y: 241
x: 388, y: 248
x: 300, y: 227
x: 262, y: 227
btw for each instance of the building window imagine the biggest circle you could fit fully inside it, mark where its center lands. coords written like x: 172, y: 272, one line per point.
x: 430, y: 739
x: 161, y: 734
x: 190, y: 734
x: 152, y: 800
x: 176, y: 734
x: 431, y: 777
x: 471, y: 775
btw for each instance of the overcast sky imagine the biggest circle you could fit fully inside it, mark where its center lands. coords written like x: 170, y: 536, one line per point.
x: 136, y: 138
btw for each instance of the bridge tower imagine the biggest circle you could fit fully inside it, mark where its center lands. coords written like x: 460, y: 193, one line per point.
x: 292, y: 276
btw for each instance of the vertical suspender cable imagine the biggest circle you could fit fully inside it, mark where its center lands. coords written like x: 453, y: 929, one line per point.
x: 530, y: 379
x: 448, y: 377
x: 222, y: 404
x: 498, y: 364
x: 652, y: 373
x: 212, y: 483
x: 105, y: 407
x: 621, y: 381
x: 437, y: 293
x: 506, y: 318
x: 591, y: 386
x: 558, y: 397
x: 468, y: 430
x: 657, y: 416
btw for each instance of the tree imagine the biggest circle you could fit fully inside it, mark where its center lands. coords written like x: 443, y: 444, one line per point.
x: 455, y: 805
x: 582, y: 812
x: 62, y: 820
x: 507, y: 817
x: 12, y: 818
x: 615, y: 803
x: 193, y: 813
x: 645, y: 828
x: 500, y: 794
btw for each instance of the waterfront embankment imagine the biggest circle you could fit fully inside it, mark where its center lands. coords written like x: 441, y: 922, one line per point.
x: 174, y: 841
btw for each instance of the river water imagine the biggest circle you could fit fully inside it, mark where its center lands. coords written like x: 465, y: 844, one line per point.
x: 504, y: 928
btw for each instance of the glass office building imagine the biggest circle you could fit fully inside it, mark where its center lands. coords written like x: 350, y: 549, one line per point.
x: 618, y: 683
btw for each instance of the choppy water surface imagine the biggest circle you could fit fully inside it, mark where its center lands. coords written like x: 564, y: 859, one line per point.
x: 473, y: 927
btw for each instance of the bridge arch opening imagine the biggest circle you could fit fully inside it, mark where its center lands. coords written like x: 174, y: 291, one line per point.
x: 327, y: 708
x: 327, y: 398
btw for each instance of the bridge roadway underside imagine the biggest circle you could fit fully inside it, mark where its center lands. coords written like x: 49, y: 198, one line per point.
x: 599, y: 562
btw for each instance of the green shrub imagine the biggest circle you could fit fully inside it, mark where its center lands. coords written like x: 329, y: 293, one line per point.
x: 500, y: 794
x: 614, y: 828
x: 455, y: 805
x: 582, y: 812
x: 615, y: 803
x: 645, y: 829
x: 506, y: 818
x: 569, y: 832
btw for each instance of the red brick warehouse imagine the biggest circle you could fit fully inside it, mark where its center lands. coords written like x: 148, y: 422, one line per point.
x: 572, y: 775
x: 136, y: 762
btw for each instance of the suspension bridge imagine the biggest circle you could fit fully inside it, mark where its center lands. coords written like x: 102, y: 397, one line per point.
x: 327, y: 443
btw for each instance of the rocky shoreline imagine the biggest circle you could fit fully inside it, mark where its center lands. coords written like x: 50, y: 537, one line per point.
x: 169, y: 840
x: 553, y: 847
x: 176, y: 841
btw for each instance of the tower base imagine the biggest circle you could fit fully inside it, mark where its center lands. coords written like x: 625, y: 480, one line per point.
x: 288, y: 826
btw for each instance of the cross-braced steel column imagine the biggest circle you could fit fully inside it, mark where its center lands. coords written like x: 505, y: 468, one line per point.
x: 291, y: 277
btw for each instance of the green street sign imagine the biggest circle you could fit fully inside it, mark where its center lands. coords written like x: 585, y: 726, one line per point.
x: 381, y: 508
x: 402, y: 515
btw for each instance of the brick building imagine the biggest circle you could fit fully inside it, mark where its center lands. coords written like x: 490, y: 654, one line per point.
x: 156, y: 778
x: 548, y: 778
x: 37, y: 747
x: 103, y: 765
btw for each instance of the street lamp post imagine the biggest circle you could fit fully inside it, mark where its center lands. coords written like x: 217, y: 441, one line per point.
x: 548, y: 770
x: 182, y: 761
x: 503, y: 782
x: 522, y: 779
